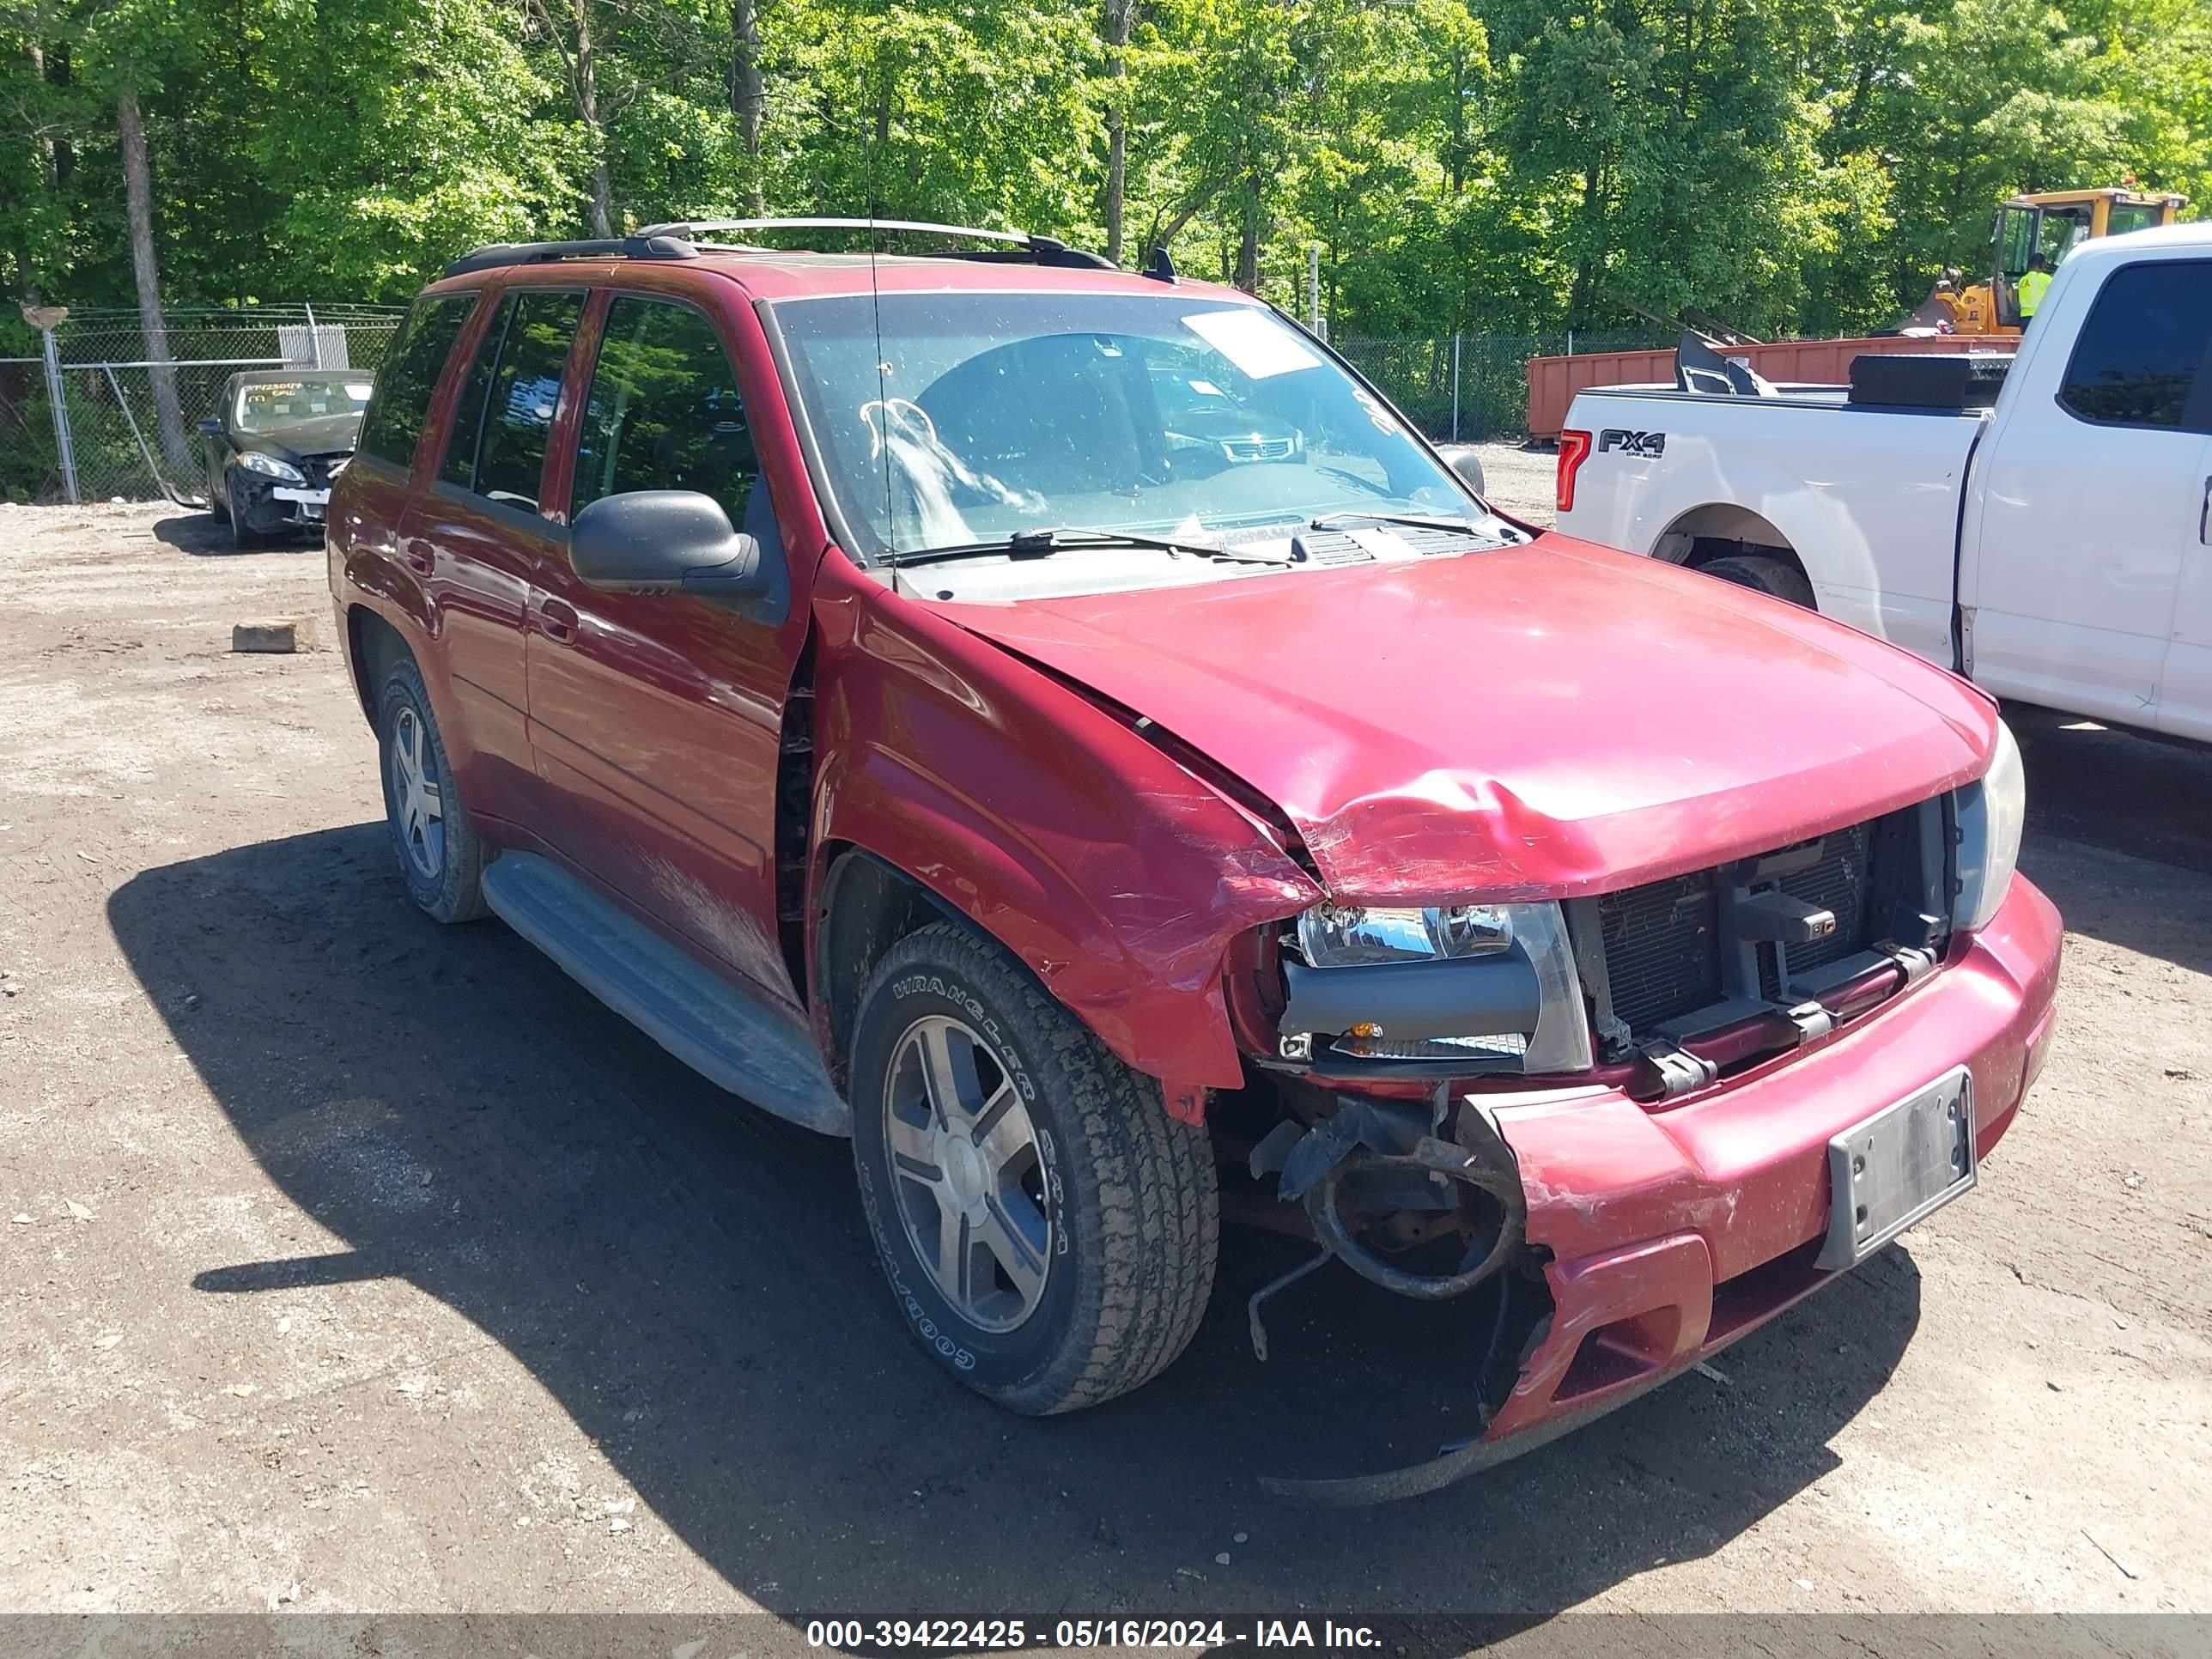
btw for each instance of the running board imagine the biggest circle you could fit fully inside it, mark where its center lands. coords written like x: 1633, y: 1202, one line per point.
x: 732, y: 1040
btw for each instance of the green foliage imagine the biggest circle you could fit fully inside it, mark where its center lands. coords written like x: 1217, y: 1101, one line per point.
x: 1505, y: 166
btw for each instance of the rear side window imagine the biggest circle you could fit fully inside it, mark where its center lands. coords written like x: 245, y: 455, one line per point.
x: 460, y: 464
x: 520, y: 400
x: 409, y: 375
x: 664, y: 412
x: 2140, y: 361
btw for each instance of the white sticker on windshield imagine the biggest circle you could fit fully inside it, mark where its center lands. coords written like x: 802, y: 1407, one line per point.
x: 1253, y: 340
x: 359, y: 391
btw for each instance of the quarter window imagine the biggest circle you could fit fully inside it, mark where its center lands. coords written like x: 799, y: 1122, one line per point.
x: 664, y: 412
x: 2141, y: 354
x: 409, y: 375
x: 522, y: 395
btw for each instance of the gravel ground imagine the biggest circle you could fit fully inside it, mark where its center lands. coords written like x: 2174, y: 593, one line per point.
x: 354, y: 1264
x: 1521, y: 481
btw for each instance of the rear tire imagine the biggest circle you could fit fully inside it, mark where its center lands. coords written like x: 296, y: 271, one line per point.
x: 439, y: 857
x: 1049, y: 1233
x: 1764, y: 573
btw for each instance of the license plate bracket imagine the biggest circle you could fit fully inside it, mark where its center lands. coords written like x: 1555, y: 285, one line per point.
x: 1898, y: 1167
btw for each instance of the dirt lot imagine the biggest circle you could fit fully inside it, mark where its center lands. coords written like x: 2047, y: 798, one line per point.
x: 354, y: 1264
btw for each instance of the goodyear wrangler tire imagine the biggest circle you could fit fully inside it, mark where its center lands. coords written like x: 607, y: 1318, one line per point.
x: 1047, y: 1229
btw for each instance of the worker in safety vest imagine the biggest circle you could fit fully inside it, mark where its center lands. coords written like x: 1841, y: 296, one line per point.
x: 2033, y: 282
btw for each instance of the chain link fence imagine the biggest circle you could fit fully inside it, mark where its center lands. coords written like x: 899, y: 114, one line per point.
x: 132, y: 409
x: 125, y: 426
x: 1472, y: 387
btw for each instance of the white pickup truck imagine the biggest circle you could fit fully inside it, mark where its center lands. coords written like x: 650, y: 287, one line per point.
x: 2056, y: 547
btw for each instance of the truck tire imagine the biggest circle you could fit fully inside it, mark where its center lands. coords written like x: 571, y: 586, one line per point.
x: 1766, y: 574
x: 1047, y: 1229
x: 439, y: 857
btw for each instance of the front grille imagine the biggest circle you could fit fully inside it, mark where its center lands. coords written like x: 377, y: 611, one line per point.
x: 1662, y: 948
x: 320, y: 469
x: 1259, y: 449
x: 1838, y: 883
x: 1663, y: 956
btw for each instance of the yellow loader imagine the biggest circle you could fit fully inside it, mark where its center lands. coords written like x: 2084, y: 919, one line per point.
x: 2049, y: 222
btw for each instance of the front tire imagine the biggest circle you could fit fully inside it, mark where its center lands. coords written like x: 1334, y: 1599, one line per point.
x: 241, y: 531
x: 439, y: 857
x: 1049, y: 1231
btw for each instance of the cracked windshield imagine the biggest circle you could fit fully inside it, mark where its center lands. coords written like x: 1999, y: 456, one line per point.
x: 972, y: 418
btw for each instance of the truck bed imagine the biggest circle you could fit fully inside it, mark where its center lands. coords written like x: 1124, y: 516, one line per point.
x: 1877, y: 488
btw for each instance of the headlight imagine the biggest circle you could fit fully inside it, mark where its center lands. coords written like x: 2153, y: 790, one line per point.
x: 1359, y: 936
x: 270, y: 467
x: 1991, y: 813
x: 1488, y: 983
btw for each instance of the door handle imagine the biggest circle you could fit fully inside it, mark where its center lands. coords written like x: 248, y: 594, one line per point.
x: 383, y: 547
x: 419, y: 558
x: 557, y: 620
x: 2204, y: 516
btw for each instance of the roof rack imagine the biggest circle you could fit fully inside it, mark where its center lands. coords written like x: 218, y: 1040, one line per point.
x: 680, y: 239
x: 1015, y: 245
x: 645, y: 244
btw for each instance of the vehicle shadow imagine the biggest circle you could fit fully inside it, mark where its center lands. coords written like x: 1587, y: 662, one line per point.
x: 2093, y: 791
x: 204, y: 536
x: 691, y: 1281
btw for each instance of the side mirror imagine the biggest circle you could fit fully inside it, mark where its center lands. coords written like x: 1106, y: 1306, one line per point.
x: 211, y: 427
x: 1466, y: 461
x: 665, y: 541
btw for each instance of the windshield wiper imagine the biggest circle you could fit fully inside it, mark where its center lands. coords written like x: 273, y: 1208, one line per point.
x: 1039, y: 544
x: 1412, y: 520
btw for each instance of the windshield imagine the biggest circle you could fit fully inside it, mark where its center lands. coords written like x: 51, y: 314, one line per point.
x: 979, y: 415
x: 282, y: 403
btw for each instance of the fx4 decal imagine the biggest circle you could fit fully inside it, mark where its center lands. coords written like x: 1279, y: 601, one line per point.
x: 1649, y: 445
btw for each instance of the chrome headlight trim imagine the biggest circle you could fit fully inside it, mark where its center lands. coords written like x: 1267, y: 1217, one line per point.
x: 1432, y: 979
x: 1990, y: 812
x: 1368, y: 935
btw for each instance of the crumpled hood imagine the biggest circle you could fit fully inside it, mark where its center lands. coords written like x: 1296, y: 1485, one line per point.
x: 1530, y: 722
x: 321, y: 436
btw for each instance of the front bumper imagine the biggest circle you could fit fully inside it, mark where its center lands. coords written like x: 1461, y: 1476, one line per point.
x: 270, y: 508
x: 1674, y: 1232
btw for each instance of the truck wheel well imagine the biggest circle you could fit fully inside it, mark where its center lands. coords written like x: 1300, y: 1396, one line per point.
x: 375, y: 645
x: 1723, y: 531
x: 867, y: 906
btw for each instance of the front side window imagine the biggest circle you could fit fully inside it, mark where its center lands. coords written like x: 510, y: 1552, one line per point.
x: 2141, y: 354
x: 664, y: 412
x: 521, y: 396
x: 409, y: 375
x: 945, y: 420
x: 2133, y: 216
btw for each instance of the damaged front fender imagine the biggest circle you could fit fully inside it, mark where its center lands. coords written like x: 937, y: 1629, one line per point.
x: 1118, y: 876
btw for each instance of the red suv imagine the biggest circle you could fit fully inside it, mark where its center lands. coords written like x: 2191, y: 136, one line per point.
x: 1066, y: 731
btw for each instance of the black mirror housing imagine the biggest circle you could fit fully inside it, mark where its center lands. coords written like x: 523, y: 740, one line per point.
x: 212, y: 426
x: 1466, y: 461
x: 665, y: 541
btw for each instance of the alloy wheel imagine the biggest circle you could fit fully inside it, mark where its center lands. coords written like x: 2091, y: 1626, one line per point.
x: 968, y: 1176
x: 418, y: 807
